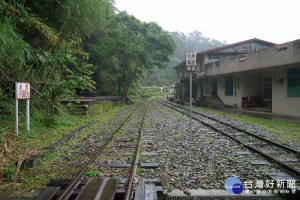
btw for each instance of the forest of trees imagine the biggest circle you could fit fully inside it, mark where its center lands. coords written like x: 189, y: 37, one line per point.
x: 59, y: 46
x: 190, y: 42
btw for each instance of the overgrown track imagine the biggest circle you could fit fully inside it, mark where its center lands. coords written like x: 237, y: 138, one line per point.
x: 128, y: 192
x: 76, y: 181
x: 273, y: 151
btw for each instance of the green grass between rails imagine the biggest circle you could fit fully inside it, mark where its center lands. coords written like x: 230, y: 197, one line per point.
x: 138, y: 99
x: 40, y: 137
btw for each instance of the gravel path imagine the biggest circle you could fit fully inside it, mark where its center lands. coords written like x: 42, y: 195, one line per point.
x: 203, y: 160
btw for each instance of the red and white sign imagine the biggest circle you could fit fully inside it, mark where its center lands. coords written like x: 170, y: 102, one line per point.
x: 22, y: 90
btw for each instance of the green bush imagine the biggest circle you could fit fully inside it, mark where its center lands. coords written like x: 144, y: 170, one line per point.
x: 7, y: 107
x: 9, y: 170
x: 91, y: 174
x: 146, y: 94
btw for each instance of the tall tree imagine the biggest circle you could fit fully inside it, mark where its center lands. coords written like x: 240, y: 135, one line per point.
x: 128, y: 47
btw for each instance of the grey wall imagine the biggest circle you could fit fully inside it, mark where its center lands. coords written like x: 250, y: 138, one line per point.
x: 282, y: 104
x: 234, y: 50
x: 244, y: 85
x: 279, y: 55
x: 252, y: 84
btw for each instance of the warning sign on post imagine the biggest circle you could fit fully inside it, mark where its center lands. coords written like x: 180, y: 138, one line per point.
x: 191, y: 62
x: 22, y: 90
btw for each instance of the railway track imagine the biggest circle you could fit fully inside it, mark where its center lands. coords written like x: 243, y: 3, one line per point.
x: 106, y: 188
x: 286, y: 157
x: 129, y: 190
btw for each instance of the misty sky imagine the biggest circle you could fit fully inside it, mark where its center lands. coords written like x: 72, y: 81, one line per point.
x: 230, y: 20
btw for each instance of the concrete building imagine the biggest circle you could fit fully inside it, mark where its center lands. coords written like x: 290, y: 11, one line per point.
x: 207, y: 87
x: 264, y: 76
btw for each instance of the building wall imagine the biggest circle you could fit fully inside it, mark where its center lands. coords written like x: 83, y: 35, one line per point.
x: 198, y: 90
x: 279, y: 55
x: 282, y: 104
x: 235, y: 99
x: 244, y: 85
x: 234, y: 50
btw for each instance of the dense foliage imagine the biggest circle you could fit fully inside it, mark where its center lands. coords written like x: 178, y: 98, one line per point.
x: 132, y: 47
x: 61, y: 45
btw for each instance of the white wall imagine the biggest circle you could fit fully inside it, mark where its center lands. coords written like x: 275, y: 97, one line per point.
x: 244, y: 85
x: 229, y: 100
x: 282, y: 104
x: 279, y: 55
x: 252, y: 84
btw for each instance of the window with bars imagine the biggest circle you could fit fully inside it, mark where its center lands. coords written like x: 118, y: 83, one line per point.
x: 294, y: 82
x: 228, y: 86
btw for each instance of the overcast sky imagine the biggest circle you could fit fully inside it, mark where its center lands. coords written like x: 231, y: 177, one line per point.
x: 230, y: 20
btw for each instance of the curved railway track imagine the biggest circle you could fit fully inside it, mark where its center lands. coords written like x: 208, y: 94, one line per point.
x: 273, y: 151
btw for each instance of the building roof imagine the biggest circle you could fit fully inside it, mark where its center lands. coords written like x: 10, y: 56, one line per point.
x: 238, y: 43
x: 179, y: 65
x: 227, y: 46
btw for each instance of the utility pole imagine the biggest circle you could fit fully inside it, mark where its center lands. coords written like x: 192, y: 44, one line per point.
x: 191, y: 85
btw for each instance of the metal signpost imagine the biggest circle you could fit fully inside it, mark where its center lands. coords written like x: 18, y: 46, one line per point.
x: 22, y: 92
x: 191, y: 67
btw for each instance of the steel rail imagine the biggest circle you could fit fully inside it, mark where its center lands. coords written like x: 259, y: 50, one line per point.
x: 291, y: 169
x: 241, y: 130
x: 135, y: 161
x: 67, y: 192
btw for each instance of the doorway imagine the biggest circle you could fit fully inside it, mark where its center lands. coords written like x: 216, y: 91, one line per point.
x: 214, y: 86
x: 268, y: 88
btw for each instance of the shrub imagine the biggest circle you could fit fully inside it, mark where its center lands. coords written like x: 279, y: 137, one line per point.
x: 91, y: 174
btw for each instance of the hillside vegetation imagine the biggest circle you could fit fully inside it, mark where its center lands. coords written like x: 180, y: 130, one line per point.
x: 61, y: 46
x: 190, y: 42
